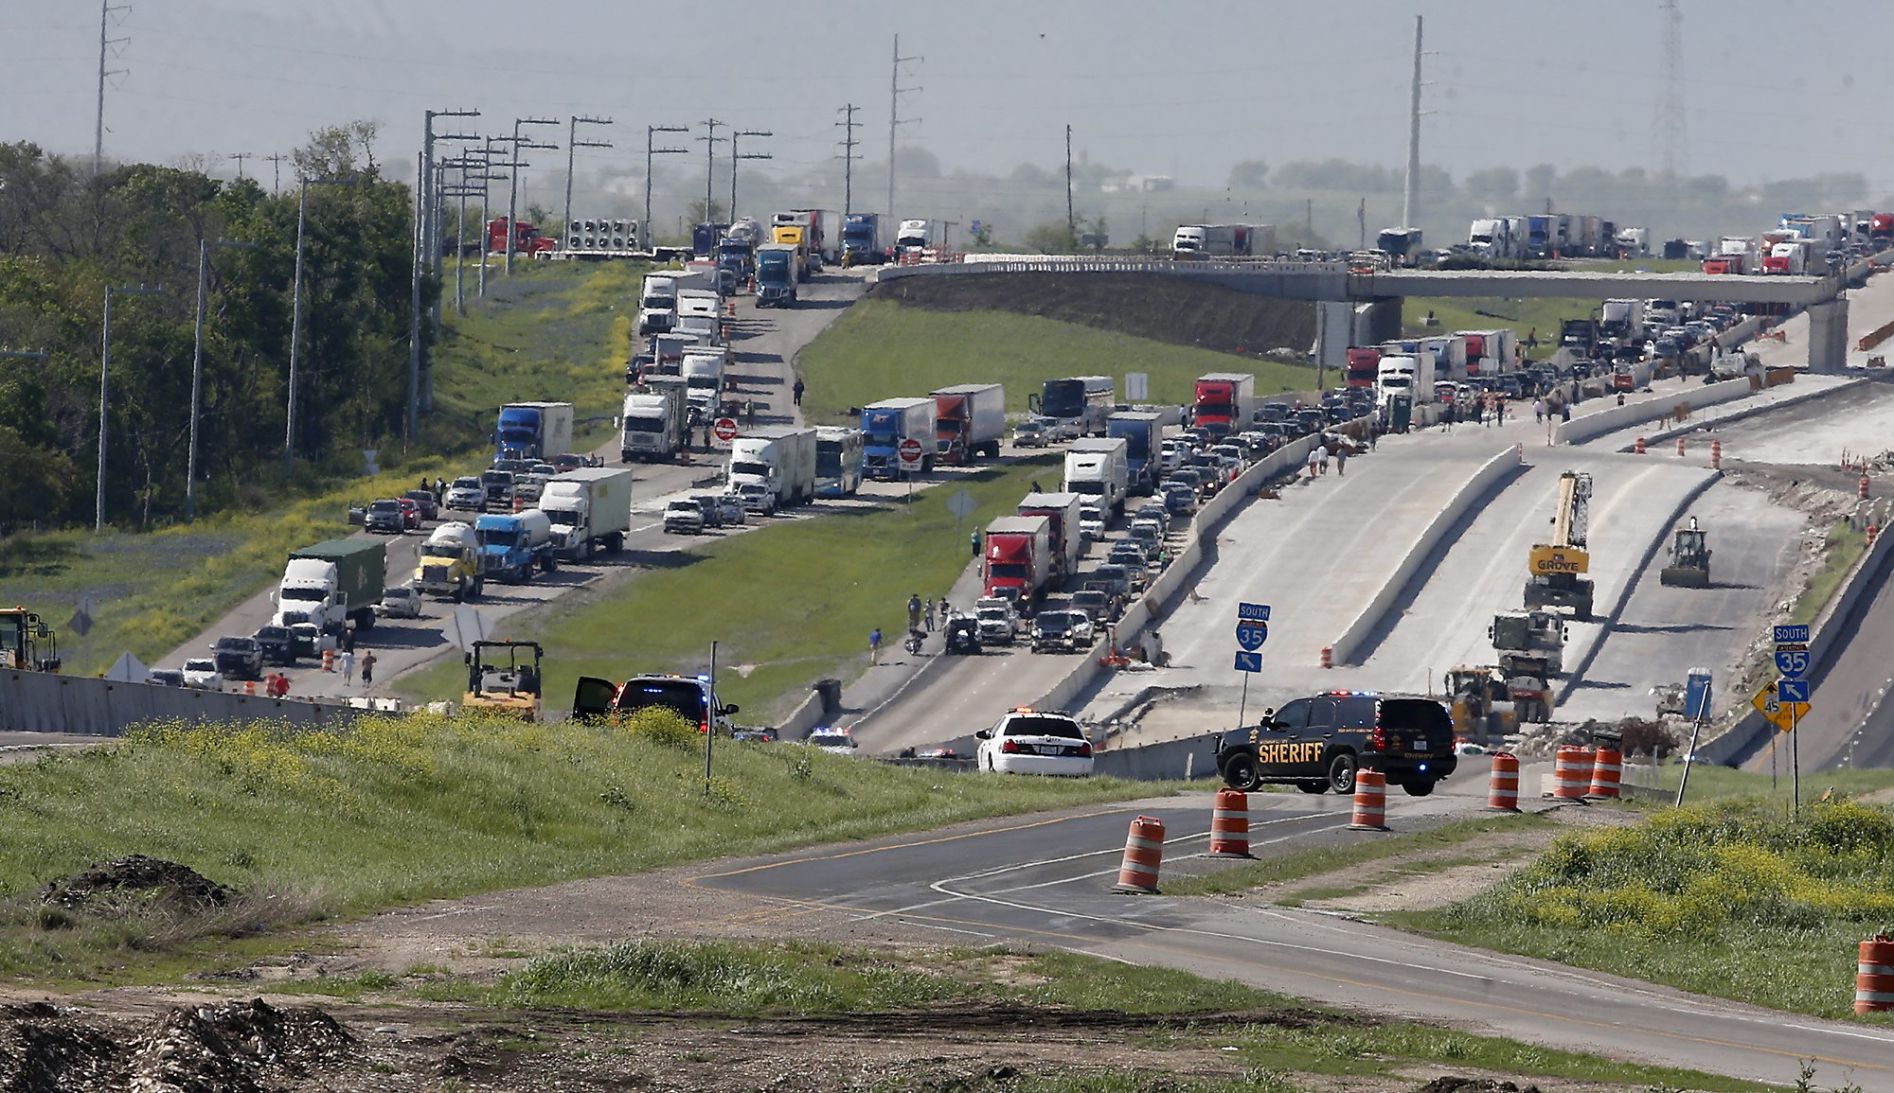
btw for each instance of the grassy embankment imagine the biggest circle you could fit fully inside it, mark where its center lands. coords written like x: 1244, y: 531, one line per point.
x: 1843, y: 548
x: 398, y: 811
x: 557, y: 330
x: 1263, y: 1041
x: 880, y: 349
x: 789, y: 603
x: 1540, y: 314
x: 1718, y: 899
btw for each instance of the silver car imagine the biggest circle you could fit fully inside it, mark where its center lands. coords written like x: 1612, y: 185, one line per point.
x: 466, y: 494
x: 730, y: 509
x: 403, y: 601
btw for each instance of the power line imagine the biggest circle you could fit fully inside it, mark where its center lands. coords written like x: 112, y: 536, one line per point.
x: 573, y: 143
x: 895, y: 120
x: 736, y: 156
x: 650, y: 133
x: 98, y: 125
x: 240, y: 157
x: 276, y: 171
x: 710, y: 139
x: 848, y: 157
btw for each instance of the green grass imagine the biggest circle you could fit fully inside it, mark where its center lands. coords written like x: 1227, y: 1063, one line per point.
x: 1328, y: 859
x: 1718, y: 899
x: 1715, y: 783
x: 1840, y: 552
x: 557, y: 330
x: 789, y: 603
x: 1541, y: 314
x: 398, y: 811
x: 1274, y: 1036
x: 880, y: 349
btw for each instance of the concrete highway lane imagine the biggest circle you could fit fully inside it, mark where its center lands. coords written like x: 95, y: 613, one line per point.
x: 1045, y: 880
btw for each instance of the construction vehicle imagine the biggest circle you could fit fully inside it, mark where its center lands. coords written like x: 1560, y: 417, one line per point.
x: 1689, y: 559
x: 27, y: 644
x: 500, y: 678
x: 1480, y: 704
x: 1555, y: 567
x: 1531, y: 633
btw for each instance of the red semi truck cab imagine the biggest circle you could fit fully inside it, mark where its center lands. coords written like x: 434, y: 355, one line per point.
x: 526, y: 238
x: 1723, y: 263
x: 1017, y: 558
x: 1224, y: 402
x: 1364, y: 366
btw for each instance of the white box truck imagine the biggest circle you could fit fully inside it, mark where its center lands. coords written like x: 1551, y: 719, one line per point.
x: 655, y: 420
x: 590, y: 507
x: 1099, y: 468
x: 533, y: 430
x: 969, y: 421
x: 781, y: 458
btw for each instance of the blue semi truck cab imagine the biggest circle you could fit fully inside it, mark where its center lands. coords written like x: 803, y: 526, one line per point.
x: 778, y: 269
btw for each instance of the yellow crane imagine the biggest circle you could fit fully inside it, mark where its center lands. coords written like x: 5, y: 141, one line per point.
x: 1554, y: 568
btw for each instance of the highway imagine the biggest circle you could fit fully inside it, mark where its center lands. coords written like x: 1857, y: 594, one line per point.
x: 765, y: 344
x: 1044, y: 880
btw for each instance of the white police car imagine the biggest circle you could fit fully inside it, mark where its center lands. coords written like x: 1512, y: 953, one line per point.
x: 835, y: 741
x: 1027, y: 741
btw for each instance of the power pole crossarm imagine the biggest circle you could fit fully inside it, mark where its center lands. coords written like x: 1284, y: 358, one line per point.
x: 895, y: 120
x: 650, y: 150
x: 736, y: 157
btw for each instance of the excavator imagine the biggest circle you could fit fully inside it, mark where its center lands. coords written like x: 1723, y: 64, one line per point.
x: 1689, y: 559
x: 503, y: 677
x: 1554, y: 568
x: 26, y: 643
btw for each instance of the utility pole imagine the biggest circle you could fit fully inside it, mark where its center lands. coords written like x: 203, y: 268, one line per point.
x: 1361, y: 223
x: 650, y: 134
x: 296, y: 313
x: 1410, y: 200
x: 105, y: 369
x: 276, y: 172
x: 1672, y: 145
x: 1071, y: 221
x: 431, y: 208
x: 105, y: 44
x: 848, y: 157
x: 710, y: 139
x: 895, y: 120
x: 573, y: 144
x: 204, y: 247
x: 464, y: 189
x: 240, y: 157
x: 736, y: 157
x: 947, y: 234
x: 513, y: 184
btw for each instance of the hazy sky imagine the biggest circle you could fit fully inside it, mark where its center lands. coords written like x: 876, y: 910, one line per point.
x: 1186, y: 92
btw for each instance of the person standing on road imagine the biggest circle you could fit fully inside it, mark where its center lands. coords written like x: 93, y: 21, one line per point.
x: 946, y: 610
x: 914, y: 611
x: 1341, y: 458
x: 1315, y: 462
x: 928, y: 616
x: 348, y: 667
x: 973, y: 541
x: 1538, y: 410
x: 368, y: 668
x: 1321, y: 457
x: 874, y: 646
x: 797, y: 390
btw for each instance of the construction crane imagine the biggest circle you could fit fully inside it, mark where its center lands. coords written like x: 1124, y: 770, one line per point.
x: 26, y: 642
x: 1554, y: 570
x: 503, y: 677
x: 1689, y: 559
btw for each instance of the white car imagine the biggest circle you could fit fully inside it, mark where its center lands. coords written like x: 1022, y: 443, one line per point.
x: 683, y: 517
x: 202, y: 674
x: 403, y: 601
x: 833, y: 741
x: 755, y: 498
x: 466, y: 494
x: 1029, y: 742
x: 1092, y: 523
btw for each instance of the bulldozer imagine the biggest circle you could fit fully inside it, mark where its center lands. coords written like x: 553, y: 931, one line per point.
x: 27, y: 644
x: 503, y: 677
x: 1689, y: 559
x: 1555, y: 568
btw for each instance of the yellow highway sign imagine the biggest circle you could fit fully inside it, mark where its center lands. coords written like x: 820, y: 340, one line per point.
x: 1776, y: 712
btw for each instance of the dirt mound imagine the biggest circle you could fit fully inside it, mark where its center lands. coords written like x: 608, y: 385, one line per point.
x: 136, y: 879
x: 238, y: 1046
x: 1447, y: 1083
x: 1165, y: 309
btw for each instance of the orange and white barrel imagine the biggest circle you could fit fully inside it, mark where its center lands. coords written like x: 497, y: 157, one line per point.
x: 328, y: 660
x: 1230, y: 824
x: 1680, y: 445
x: 1639, y: 446
x: 1144, y: 853
x: 1328, y: 656
x: 1571, y: 772
x: 1502, y: 787
x: 1607, y: 767
x: 1371, y: 802
x: 1874, y: 975
x: 1716, y: 453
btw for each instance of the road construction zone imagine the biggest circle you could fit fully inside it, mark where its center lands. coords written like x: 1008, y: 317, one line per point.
x: 1547, y: 561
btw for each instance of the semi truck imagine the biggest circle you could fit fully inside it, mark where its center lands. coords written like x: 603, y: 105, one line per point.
x: 1142, y: 434
x: 862, y: 244
x: 704, y: 237
x: 1364, y: 365
x: 589, y: 508
x: 886, y: 424
x: 1066, y: 542
x: 1449, y: 352
x: 1099, y: 468
x: 969, y: 421
x: 533, y: 430
x: 814, y: 225
x: 527, y: 240
x: 1490, y: 352
x: 913, y: 235
x: 1622, y: 318
x: 1077, y: 404
x: 1401, y: 245
x: 332, y: 583
x: 778, y: 271
x: 1491, y: 238
x: 514, y: 543
x: 1401, y: 375
x: 657, y: 296
x: 838, y: 461
x: 656, y: 418
x: 1224, y: 402
x: 780, y: 458
x: 1542, y: 236
x: 451, y: 563
x: 703, y: 378
x: 1223, y: 240
x: 1016, y: 559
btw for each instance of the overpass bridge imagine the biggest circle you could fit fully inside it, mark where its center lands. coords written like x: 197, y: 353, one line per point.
x: 1379, y: 294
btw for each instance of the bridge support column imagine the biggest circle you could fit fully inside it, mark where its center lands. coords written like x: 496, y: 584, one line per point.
x: 1378, y: 321
x: 1828, y: 336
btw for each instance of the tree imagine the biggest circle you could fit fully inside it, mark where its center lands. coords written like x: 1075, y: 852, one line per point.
x: 1493, y: 184
x: 1251, y: 174
x: 1541, y: 178
x: 1051, y: 237
x: 694, y: 213
x: 983, y: 233
x: 337, y: 150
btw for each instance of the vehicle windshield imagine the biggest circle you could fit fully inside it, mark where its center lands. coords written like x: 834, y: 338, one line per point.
x: 685, y: 696
x: 200, y: 665
x: 1053, y: 622
x: 644, y: 424
x: 831, y: 740
x: 701, y: 380
x: 233, y: 645
x: 993, y: 614
x: 828, y: 462
x: 385, y: 506
x: 1040, y: 725
x: 1086, y: 485
x: 682, y: 506
x: 449, y: 551
x: 1062, y: 398
x: 760, y: 470
x: 569, y: 517
x: 500, y: 537
x: 497, y: 478
x: 1008, y: 571
x: 305, y: 595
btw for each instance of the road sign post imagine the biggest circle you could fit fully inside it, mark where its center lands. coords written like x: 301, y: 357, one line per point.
x: 1252, y: 630
x: 1792, y: 694
x: 1697, y: 707
x: 910, y: 453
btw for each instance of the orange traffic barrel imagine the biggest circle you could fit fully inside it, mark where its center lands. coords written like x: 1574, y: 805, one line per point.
x: 1872, y: 532
x: 1861, y: 488
x: 249, y: 686
x: 1607, y: 767
x: 1502, y: 788
x: 1639, y: 446
x: 1371, y: 801
x: 1230, y: 824
x: 1144, y: 852
x: 1328, y: 656
x: 1680, y: 445
x: 1716, y: 453
x: 1874, y: 975
x: 1571, y: 772
x: 328, y: 660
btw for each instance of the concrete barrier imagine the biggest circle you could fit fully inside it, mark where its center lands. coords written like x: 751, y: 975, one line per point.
x: 1193, y: 757
x: 41, y: 702
x: 1490, y: 474
x: 1743, y: 414
x: 1654, y: 410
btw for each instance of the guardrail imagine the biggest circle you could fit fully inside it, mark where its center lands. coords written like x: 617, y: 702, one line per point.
x: 86, y: 705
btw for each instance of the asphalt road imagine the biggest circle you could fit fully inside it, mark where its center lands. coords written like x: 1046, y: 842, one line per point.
x: 765, y: 345
x: 1044, y: 880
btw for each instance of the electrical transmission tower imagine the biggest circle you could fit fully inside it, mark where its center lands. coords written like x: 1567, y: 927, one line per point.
x: 1668, y: 132
x: 895, y: 120
x: 105, y: 45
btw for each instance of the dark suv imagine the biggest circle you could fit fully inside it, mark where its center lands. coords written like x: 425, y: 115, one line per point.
x: 1318, y: 743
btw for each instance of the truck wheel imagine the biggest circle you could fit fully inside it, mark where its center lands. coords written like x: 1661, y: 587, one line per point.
x: 1341, y: 773
x: 614, y: 542
x: 479, y: 586
x: 586, y: 554
x: 460, y: 592
x: 1418, y: 789
x: 1241, y: 772
x: 549, y: 563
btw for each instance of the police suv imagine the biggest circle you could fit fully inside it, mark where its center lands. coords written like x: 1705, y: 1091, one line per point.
x: 1318, y: 743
